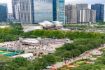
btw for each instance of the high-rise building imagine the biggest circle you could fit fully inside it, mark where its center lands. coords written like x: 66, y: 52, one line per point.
x: 35, y: 11
x: 14, y: 3
x: 87, y: 16
x: 3, y: 12
x: 80, y: 7
x: 71, y: 14
x: 59, y: 10
x: 43, y: 10
x: 99, y: 11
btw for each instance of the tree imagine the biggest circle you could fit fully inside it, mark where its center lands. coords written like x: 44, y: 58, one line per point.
x: 67, y: 54
x: 20, y: 61
x: 50, y: 59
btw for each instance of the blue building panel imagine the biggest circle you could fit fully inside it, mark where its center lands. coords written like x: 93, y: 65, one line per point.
x: 54, y: 10
x: 3, y: 12
x: 59, y: 10
x: 99, y: 11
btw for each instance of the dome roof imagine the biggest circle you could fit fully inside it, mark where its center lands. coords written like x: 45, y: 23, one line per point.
x: 46, y: 24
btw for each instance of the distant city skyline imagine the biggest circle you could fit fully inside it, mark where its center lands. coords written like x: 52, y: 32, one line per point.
x: 66, y: 1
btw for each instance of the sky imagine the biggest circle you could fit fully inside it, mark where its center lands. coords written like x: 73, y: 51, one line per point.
x: 66, y: 1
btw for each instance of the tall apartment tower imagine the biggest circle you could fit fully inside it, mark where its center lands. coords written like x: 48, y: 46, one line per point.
x: 14, y: 2
x: 87, y: 16
x: 3, y: 12
x: 80, y: 7
x: 71, y: 14
x: 25, y: 12
x: 59, y: 10
x: 35, y: 11
x: 99, y: 11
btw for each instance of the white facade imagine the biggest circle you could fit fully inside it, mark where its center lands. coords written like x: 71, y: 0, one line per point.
x: 25, y: 11
x: 80, y: 7
x: 87, y: 16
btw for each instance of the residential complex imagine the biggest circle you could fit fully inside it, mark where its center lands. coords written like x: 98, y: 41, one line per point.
x: 79, y: 13
x: 87, y: 16
x: 3, y: 12
x: 35, y: 11
x: 99, y: 11
x: 80, y: 7
x: 71, y: 14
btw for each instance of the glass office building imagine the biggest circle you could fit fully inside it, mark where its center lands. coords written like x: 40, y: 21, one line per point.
x: 99, y: 11
x: 35, y: 11
x: 3, y: 12
x: 59, y: 10
x: 42, y: 10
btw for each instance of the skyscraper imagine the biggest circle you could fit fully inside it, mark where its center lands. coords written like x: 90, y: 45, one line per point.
x: 99, y: 11
x: 14, y: 2
x: 3, y: 12
x: 59, y: 10
x: 35, y: 11
x: 43, y: 10
x: 25, y: 11
x: 71, y: 14
x: 87, y: 16
x: 80, y: 7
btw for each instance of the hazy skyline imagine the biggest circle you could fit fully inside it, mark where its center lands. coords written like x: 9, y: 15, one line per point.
x: 66, y: 1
